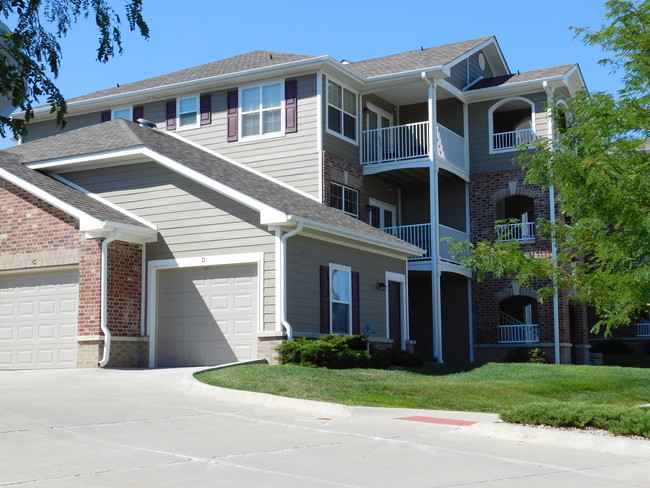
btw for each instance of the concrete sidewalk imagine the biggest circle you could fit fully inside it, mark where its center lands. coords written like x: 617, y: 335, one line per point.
x: 162, y: 428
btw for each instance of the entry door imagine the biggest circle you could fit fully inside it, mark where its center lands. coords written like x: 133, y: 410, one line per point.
x: 378, y: 119
x: 395, y: 313
x: 381, y: 214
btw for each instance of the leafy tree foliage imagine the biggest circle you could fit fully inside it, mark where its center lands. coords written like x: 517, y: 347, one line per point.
x: 30, y: 54
x: 599, y: 165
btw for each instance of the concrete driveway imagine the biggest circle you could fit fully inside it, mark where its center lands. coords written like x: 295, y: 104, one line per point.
x: 161, y: 428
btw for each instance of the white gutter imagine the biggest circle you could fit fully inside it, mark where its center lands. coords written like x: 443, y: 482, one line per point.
x: 551, y: 197
x: 104, y: 299
x: 283, y: 281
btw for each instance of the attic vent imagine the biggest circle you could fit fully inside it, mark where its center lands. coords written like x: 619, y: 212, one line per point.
x: 345, y: 61
x: 146, y: 123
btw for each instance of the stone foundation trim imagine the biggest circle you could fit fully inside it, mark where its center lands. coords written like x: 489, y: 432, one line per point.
x: 272, y: 334
x: 523, y: 344
x: 113, y: 338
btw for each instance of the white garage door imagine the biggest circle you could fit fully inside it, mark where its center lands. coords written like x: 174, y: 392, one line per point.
x: 38, y: 319
x: 207, y: 316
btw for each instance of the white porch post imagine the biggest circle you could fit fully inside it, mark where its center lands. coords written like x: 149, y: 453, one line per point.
x: 435, y: 220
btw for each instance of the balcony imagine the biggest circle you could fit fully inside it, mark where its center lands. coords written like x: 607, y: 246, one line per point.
x: 508, y: 141
x: 519, y: 231
x: 420, y: 235
x: 643, y: 329
x: 411, y: 141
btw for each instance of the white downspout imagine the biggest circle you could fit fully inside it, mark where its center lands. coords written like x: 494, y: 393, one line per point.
x: 104, y: 299
x: 551, y: 197
x: 283, y: 281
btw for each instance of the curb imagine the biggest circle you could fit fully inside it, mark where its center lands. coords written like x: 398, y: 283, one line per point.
x: 579, y: 440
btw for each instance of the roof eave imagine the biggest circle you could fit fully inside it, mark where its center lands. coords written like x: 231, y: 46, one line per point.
x: 191, y: 85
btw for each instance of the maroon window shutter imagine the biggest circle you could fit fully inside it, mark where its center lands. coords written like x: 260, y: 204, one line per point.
x: 324, y: 299
x: 171, y: 115
x: 206, y: 109
x: 356, y: 322
x: 291, y: 105
x: 233, y: 101
x: 106, y: 116
x: 138, y: 112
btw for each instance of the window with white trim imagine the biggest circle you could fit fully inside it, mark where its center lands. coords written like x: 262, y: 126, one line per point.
x: 188, y: 112
x: 344, y: 199
x: 340, y: 299
x: 261, y: 109
x: 341, y: 111
x: 122, y: 113
x: 381, y: 214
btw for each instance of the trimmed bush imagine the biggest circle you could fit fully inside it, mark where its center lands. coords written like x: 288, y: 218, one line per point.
x: 329, y: 351
x: 618, y: 420
x: 524, y: 355
x: 405, y: 358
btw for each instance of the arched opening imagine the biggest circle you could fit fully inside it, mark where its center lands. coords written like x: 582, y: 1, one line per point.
x: 520, y: 211
x: 511, y: 124
x: 518, y: 320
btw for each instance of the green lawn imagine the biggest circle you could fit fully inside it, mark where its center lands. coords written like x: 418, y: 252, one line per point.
x: 493, y: 387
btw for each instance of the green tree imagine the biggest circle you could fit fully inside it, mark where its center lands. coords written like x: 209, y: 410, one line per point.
x: 599, y: 166
x: 30, y: 53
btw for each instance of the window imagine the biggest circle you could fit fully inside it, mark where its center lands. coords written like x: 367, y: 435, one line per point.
x: 340, y: 299
x: 341, y: 111
x: 122, y: 113
x: 344, y: 199
x: 261, y: 110
x: 188, y: 109
x: 381, y: 214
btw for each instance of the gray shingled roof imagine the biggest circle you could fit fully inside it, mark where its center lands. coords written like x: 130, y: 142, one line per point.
x: 120, y: 133
x: 538, y: 74
x: 236, y: 64
x: 415, y: 60
x: 11, y: 162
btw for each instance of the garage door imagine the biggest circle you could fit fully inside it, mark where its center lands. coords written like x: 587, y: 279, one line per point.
x: 207, y: 316
x: 38, y: 319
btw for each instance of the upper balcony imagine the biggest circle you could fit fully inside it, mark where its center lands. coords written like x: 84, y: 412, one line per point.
x: 411, y: 142
x: 420, y: 235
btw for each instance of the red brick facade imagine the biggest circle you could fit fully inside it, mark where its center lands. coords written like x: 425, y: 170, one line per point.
x: 35, y: 235
x: 486, y: 190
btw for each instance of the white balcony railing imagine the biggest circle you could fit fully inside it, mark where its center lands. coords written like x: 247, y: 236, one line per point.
x: 519, y: 334
x: 456, y: 235
x: 507, y: 141
x: 420, y: 235
x: 643, y: 329
x: 520, y: 231
x: 411, y: 141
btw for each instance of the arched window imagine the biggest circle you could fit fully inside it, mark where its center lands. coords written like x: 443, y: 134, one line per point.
x: 511, y: 124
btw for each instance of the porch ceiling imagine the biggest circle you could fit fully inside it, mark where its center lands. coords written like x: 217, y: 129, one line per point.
x: 415, y: 91
x: 406, y: 177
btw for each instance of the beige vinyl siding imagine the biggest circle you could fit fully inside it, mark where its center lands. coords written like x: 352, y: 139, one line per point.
x: 192, y: 220
x: 304, y: 258
x: 292, y: 158
x: 46, y: 128
x: 468, y: 71
x: 479, y: 143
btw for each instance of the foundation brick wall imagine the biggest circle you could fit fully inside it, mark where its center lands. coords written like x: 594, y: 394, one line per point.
x: 346, y: 173
x: 266, y: 348
x: 124, y: 289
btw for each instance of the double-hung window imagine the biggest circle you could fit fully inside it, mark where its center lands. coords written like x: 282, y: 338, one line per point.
x: 344, y: 199
x: 188, y: 110
x: 261, y: 110
x: 340, y: 299
x: 341, y: 111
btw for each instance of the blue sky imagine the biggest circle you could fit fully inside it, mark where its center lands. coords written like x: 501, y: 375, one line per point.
x: 533, y: 34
